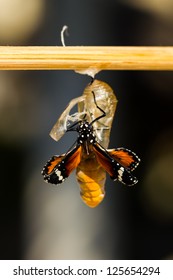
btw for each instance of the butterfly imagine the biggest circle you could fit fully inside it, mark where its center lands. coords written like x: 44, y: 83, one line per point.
x: 91, y: 160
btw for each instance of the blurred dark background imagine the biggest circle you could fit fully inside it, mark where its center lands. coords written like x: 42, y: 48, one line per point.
x: 43, y: 222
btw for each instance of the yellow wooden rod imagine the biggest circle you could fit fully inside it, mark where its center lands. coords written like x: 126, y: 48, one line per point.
x: 79, y: 58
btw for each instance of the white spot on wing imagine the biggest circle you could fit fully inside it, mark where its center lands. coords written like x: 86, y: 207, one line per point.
x: 120, y: 173
x: 58, y: 173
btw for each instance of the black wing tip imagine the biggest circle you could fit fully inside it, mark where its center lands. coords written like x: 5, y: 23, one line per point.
x: 128, y: 183
x: 56, y: 177
x: 125, y: 177
x: 53, y: 179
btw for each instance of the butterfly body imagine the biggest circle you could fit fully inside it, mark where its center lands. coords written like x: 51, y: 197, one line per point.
x: 90, y: 175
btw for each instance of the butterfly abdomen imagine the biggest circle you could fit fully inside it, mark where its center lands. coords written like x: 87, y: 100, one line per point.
x: 91, y: 178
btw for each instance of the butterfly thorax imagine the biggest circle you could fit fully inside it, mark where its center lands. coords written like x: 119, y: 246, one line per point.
x: 86, y: 138
x: 86, y: 135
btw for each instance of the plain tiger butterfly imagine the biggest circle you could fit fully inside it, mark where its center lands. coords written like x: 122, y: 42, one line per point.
x: 91, y: 159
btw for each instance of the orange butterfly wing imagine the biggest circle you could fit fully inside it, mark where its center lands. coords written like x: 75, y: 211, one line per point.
x: 58, y: 168
x: 52, y: 163
x: 125, y: 157
x: 117, y: 167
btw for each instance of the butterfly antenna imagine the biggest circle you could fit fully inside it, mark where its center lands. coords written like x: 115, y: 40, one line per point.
x: 101, y: 116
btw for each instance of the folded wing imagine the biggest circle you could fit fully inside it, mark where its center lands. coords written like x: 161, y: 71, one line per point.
x: 58, y: 168
x: 118, y: 163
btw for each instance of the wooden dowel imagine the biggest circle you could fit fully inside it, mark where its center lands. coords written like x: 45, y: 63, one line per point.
x: 79, y: 58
